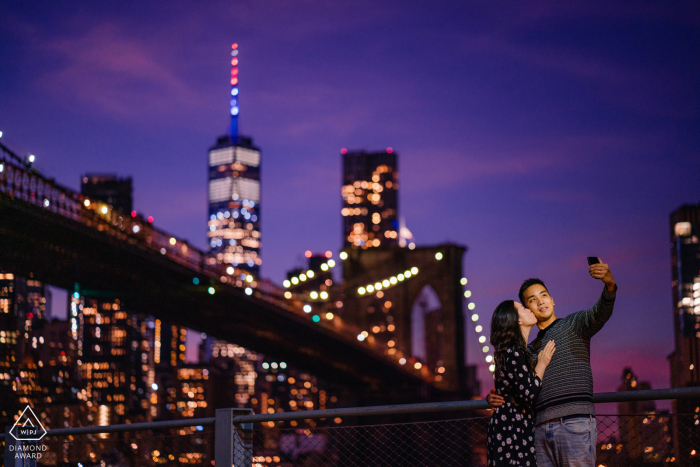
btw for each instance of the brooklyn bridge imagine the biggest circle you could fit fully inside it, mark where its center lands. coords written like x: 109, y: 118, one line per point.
x: 58, y: 236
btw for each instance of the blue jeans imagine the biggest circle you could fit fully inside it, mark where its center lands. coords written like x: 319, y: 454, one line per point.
x: 569, y: 442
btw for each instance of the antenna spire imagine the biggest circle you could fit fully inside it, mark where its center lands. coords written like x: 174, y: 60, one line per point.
x: 234, y: 93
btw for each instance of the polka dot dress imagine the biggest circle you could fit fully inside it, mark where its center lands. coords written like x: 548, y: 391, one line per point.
x: 511, y: 432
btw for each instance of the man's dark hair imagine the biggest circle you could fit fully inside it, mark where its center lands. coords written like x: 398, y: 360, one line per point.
x: 526, y: 285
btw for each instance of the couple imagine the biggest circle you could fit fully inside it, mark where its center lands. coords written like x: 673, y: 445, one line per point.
x: 543, y: 401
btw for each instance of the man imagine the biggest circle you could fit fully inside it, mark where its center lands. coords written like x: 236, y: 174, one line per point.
x: 565, y: 428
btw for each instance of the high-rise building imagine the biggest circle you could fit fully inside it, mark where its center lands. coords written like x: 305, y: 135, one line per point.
x: 22, y: 319
x: 370, y: 199
x: 685, y: 283
x: 115, y: 360
x: 234, y: 192
x: 110, y: 189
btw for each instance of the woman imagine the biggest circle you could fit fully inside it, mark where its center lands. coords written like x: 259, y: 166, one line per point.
x: 511, y: 432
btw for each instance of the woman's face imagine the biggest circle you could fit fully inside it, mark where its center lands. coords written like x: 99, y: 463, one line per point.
x: 525, y: 316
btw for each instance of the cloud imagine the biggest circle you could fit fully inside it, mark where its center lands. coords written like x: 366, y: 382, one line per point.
x: 107, y: 72
x: 491, y: 160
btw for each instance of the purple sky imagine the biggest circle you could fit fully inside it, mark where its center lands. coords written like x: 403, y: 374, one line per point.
x: 536, y: 134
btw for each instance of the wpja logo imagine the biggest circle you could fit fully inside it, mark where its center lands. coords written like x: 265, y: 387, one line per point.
x: 27, y: 430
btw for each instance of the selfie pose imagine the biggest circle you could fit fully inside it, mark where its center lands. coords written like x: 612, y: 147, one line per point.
x: 565, y: 427
x: 510, y: 435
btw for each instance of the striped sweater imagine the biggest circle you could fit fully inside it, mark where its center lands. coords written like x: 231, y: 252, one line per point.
x: 567, y: 386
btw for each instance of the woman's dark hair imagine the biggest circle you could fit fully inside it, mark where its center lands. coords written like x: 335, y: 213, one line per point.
x: 505, y: 333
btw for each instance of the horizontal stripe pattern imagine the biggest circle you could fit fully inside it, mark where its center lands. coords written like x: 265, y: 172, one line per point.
x: 567, y: 386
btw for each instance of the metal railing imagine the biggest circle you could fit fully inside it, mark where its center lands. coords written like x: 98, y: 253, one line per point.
x: 454, y: 434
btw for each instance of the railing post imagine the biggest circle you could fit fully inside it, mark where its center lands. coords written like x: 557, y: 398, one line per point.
x: 233, y: 445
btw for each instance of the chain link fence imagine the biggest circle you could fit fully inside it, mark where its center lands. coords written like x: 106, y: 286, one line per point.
x: 388, y: 437
x: 628, y: 440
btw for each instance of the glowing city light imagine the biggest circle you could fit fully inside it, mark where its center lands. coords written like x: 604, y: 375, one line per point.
x: 104, y: 209
x: 467, y: 293
x: 211, y: 290
x: 438, y: 256
x: 248, y: 291
x: 343, y: 255
x: 307, y: 308
x: 471, y: 306
x: 32, y: 158
x: 463, y: 281
x: 485, y: 349
x: 387, y: 283
x: 475, y: 317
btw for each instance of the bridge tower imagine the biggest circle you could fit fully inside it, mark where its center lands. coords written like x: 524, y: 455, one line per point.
x: 421, y: 315
x: 234, y: 192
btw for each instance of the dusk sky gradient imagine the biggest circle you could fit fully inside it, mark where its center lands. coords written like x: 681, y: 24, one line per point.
x: 535, y: 133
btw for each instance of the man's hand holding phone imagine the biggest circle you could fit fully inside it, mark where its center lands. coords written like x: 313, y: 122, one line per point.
x: 599, y: 270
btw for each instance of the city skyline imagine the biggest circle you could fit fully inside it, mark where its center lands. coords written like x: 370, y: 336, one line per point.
x: 504, y: 128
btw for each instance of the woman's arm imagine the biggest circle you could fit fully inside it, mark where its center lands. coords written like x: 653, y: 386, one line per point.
x: 524, y: 386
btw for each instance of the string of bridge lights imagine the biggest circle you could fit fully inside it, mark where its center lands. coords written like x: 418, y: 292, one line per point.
x: 478, y: 328
x: 475, y: 317
x: 387, y: 283
x: 310, y: 274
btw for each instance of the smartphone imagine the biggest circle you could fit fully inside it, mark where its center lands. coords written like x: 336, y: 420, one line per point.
x: 593, y: 260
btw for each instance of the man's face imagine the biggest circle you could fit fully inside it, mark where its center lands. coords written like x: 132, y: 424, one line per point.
x: 537, y: 299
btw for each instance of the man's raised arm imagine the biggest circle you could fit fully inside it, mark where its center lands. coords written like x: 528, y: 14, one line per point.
x: 592, y: 320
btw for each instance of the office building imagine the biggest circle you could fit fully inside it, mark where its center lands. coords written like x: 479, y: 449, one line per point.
x: 110, y: 189
x: 22, y: 319
x: 115, y: 360
x: 685, y: 284
x: 234, y: 192
x: 370, y: 199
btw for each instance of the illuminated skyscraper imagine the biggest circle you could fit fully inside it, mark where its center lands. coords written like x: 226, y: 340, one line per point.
x: 234, y: 192
x: 370, y: 199
x: 685, y: 359
x: 22, y: 318
x: 685, y: 270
